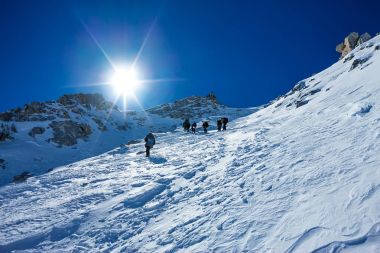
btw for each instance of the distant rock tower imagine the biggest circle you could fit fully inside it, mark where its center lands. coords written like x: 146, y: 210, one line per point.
x: 350, y: 42
x: 212, y: 97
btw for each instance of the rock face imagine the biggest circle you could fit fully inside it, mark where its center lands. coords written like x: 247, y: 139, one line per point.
x: 191, y: 107
x: 36, y: 130
x: 44, y: 111
x: 350, y: 42
x: 22, y: 177
x: 86, y: 100
x: 68, y: 132
x: 5, y: 132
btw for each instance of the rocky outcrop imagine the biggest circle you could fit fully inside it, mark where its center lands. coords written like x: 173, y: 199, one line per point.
x: 5, y: 132
x: 35, y: 108
x: 212, y: 98
x: 6, y: 116
x: 359, y: 62
x: 364, y: 38
x: 350, y: 42
x: 68, y: 132
x: 87, y: 100
x: 101, y: 125
x: 122, y: 127
x: 36, y: 130
x: 52, y: 110
x: 191, y: 107
x: 22, y: 177
x: 2, y: 164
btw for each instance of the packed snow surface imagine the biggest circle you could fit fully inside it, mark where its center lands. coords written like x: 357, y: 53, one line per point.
x: 301, y: 175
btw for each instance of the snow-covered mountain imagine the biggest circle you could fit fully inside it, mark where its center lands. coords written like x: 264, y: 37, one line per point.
x: 300, y: 175
x: 43, y: 135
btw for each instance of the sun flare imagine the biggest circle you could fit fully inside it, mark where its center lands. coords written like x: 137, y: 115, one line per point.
x: 125, y: 81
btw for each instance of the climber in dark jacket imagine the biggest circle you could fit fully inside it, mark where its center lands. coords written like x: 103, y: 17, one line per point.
x: 219, y: 124
x: 186, y: 125
x: 205, y: 126
x: 150, y: 141
x: 224, y: 121
x: 193, y: 127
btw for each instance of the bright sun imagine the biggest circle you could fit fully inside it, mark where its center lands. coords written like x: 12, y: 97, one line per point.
x: 125, y: 81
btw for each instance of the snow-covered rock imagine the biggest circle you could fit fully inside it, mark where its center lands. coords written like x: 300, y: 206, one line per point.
x: 299, y: 175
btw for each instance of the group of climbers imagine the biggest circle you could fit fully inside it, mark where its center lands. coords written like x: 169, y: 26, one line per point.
x: 221, y: 123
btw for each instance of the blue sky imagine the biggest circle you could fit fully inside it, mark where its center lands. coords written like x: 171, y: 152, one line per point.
x: 247, y: 52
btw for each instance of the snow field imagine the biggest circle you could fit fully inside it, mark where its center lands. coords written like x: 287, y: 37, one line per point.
x: 295, y: 176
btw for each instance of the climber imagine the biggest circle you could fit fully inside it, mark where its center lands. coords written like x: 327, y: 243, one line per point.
x: 224, y: 121
x: 219, y: 124
x: 186, y: 125
x: 150, y: 140
x: 193, y: 127
x: 205, y: 126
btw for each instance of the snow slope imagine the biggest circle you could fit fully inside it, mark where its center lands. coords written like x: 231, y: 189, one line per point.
x: 110, y: 128
x: 301, y: 175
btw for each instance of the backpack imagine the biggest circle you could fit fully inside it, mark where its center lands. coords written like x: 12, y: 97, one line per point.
x: 149, y: 140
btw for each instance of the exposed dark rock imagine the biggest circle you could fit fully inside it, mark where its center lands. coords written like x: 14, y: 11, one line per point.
x: 377, y: 47
x: 5, y: 132
x: 36, y: 130
x: 299, y: 86
x: 123, y: 127
x: 314, y: 91
x: 363, y: 110
x: 6, y: 116
x: 349, y: 58
x: 22, y: 177
x: 100, y: 124
x: 212, y: 97
x: 358, y: 62
x: 68, y: 132
x: 2, y: 164
x: 65, y: 115
x: 301, y: 103
x: 278, y: 105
